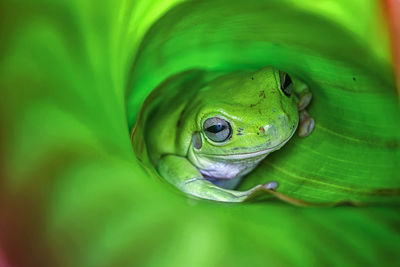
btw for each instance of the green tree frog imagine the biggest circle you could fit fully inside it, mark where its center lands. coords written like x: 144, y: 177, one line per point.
x: 203, y: 136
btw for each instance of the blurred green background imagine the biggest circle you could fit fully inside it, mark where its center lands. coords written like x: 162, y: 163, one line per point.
x: 73, y: 75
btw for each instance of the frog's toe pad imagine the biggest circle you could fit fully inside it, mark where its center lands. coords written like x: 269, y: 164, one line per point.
x: 306, y: 125
x: 273, y: 185
x: 304, y: 100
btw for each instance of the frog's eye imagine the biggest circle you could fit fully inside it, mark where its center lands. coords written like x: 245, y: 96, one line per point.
x: 217, y: 129
x: 286, y: 83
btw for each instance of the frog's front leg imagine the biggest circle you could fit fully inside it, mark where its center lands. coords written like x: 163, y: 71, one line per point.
x: 304, y: 95
x: 182, y: 174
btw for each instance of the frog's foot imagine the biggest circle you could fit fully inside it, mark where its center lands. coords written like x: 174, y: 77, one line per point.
x: 186, y: 177
x: 273, y: 185
x: 261, y: 189
x: 304, y: 99
x: 306, y: 124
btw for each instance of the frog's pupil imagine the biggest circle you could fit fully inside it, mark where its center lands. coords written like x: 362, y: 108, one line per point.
x: 216, y: 128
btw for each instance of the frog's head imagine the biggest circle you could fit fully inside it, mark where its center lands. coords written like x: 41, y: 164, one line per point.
x: 244, y: 116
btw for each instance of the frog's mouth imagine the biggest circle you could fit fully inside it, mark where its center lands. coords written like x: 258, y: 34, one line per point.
x: 240, y: 156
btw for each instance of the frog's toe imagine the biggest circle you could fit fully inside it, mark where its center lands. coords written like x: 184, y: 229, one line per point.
x: 304, y: 100
x: 306, y: 124
x: 259, y: 190
x: 273, y: 185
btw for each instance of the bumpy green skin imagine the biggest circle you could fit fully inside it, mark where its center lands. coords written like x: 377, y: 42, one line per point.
x: 171, y: 121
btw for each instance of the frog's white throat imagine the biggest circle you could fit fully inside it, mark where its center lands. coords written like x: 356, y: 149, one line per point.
x: 228, y: 166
